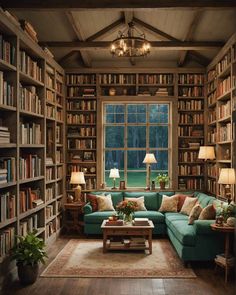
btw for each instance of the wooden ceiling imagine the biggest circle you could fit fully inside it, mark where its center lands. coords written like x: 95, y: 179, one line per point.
x: 79, y: 33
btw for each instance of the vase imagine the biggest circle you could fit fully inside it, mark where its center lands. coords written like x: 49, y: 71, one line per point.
x: 128, y: 218
x: 162, y: 184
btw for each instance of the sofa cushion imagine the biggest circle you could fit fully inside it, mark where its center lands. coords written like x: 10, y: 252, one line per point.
x: 105, y: 203
x: 97, y: 217
x: 204, y: 199
x: 150, y: 199
x: 92, y: 199
x: 116, y: 197
x: 179, y: 226
x: 169, y: 204
x: 189, y: 203
x: 194, y: 214
x: 140, y: 203
x: 208, y: 213
x: 156, y: 217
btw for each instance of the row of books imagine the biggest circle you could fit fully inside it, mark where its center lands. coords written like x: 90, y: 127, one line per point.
x: 89, y: 118
x: 7, y: 51
x: 211, y: 186
x: 4, y: 135
x: 211, y: 116
x: 82, y: 105
x: 211, y: 74
x: 225, y: 132
x: 49, y: 173
x: 190, y: 170
x: 162, y: 91
x: 191, y: 79
x: 30, y: 198
x: 6, y: 91
x: 225, y: 61
x: 191, y: 105
x: 50, y: 228
x: 49, y: 193
x: 7, y: 169
x: 211, y: 99
x: 191, y: 118
x: 59, y: 87
x: 156, y: 79
x: 30, y: 133
x: 117, y: 79
x: 224, y: 110
x: 81, y: 92
x: 30, y: 67
x: 49, y: 211
x: 49, y: 80
x: 81, y: 131
x: 192, y: 184
x: 212, y: 135
x: 7, y: 241
x: 190, y: 131
x: 28, y: 225
x: 50, y: 95
x: 59, y: 172
x: 29, y: 100
x: 81, y: 144
x: 81, y: 79
x: 211, y: 86
x: 50, y: 112
x: 29, y: 30
x: 58, y: 133
x: 59, y: 156
x: 212, y: 170
x: 59, y: 115
x: 195, y: 91
x: 188, y: 156
x: 7, y: 206
x: 224, y: 86
x: 59, y: 78
x: 30, y: 166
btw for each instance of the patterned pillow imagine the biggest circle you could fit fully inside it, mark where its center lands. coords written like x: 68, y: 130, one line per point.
x: 92, y: 199
x: 105, y: 203
x: 188, y: 205
x: 169, y: 204
x: 194, y: 214
x: 139, y: 201
x: 209, y: 212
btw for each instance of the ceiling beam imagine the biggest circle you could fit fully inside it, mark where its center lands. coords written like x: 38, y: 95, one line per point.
x: 68, y: 55
x: 159, y: 45
x: 108, y: 4
x: 107, y: 30
x: 84, y: 55
x: 129, y: 15
x: 164, y: 36
x: 195, y: 21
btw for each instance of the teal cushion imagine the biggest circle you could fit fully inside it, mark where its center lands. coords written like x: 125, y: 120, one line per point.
x: 204, y: 199
x: 171, y: 216
x: 97, y: 217
x: 150, y: 198
x: 179, y: 226
x: 156, y: 217
x: 204, y: 226
x: 116, y: 197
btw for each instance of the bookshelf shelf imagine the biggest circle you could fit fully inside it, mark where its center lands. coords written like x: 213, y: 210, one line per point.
x: 5, y: 66
x: 28, y: 79
x: 30, y: 114
x: 31, y: 211
x: 7, y: 108
x: 8, y: 184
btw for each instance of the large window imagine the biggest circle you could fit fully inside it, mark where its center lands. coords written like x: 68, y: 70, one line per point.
x: 130, y: 131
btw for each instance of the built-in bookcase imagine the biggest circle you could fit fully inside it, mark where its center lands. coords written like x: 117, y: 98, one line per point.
x: 221, y: 85
x: 31, y: 136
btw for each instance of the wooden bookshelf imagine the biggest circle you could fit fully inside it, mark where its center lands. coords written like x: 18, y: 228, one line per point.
x: 24, y: 121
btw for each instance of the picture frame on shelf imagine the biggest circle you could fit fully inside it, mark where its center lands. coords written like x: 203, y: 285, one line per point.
x: 122, y: 185
x: 88, y: 156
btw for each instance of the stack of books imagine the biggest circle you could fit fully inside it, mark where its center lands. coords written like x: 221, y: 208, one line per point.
x: 162, y: 91
x: 4, y: 135
x: 140, y: 221
x: 230, y: 261
x: 137, y: 242
x: 29, y: 30
x: 194, y: 145
x: 89, y: 92
x: 49, y: 161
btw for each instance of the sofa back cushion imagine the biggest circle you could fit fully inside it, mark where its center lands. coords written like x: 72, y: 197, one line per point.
x: 204, y: 199
x: 151, y: 201
x: 116, y: 197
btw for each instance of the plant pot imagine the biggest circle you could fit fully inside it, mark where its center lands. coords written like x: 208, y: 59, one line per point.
x: 162, y: 184
x: 27, y: 273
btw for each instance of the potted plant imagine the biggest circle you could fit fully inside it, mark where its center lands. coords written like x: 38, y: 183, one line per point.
x: 162, y: 179
x: 127, y: 209
x: 28, y: 253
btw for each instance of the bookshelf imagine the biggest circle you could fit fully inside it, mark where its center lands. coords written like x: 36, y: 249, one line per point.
x: 27, y: 114
x: 221, y: 84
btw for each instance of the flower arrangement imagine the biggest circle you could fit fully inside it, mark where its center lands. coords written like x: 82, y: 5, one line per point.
x: 162, y: 177
x: 126, y: 207
x: 226, y: 210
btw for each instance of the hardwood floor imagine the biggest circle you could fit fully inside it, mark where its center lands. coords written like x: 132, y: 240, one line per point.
x: 208, y: 282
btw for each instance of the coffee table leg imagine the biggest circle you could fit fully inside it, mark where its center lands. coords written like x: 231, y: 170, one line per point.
x: 104, y: 242
x: 150, y: 241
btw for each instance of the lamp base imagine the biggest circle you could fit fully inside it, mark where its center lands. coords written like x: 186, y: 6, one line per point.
x: 114, y: 188
x: 78, y: 198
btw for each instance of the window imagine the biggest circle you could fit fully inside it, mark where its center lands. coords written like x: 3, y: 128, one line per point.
x: 130, y: 131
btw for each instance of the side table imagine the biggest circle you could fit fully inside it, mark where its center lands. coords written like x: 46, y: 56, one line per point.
x: 73, y: 217
x: 227, y: 231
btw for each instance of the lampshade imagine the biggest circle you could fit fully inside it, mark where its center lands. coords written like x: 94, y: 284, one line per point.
x: 114, y: 173
x: 149, y: 159
x: 206, y: 153
x: 77, y: 178
x: 227, y: 176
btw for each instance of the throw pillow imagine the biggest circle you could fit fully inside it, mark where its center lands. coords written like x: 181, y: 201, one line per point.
x: 188, y: 205
x: 182, y: 198
x: 139, y: 201
x: 105, y: 203
x: 209, y: 212
x: 92, y: 199
x: 194, y: 214
x: 169, y: 204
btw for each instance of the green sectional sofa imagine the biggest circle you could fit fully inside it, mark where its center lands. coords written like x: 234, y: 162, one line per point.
x: 192, y: 242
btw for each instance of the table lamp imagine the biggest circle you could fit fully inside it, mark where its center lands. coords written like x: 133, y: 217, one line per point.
x: 77, y: 178
x: 114, y: 173
x: 148, y: 160
x: 227, y: 178
x: 206, y: 153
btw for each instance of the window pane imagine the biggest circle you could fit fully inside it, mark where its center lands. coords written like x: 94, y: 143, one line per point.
x: 115, y: 113
x: 135, y: 160
x: 137, y: 136
x: 136, y: 113
x: 162, y: 161
x: 158, y: 113
x: 136, y: 179
x: 109, y: 181
x: 114, y: 136
x: 114, y: 159
x: 158, y: 136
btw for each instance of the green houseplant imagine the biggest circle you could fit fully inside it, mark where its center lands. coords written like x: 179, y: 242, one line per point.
x: 127, y: 208
x: 162, y: 179
x: 28, y: 253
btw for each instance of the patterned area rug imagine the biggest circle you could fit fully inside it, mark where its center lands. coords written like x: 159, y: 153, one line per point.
x: 84, y: 259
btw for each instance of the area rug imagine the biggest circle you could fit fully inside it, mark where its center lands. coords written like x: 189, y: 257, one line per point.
x: 85, y: 259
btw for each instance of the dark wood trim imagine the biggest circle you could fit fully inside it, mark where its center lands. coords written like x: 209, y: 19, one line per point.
x: 68, y: 55
x: 108, y: 4
x: 161, y: 45
x: 199, y: 58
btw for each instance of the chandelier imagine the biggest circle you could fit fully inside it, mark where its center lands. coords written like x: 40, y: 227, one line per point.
x: 130, y: 43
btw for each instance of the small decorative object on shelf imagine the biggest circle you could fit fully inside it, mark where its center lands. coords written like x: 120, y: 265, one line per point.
x: 112, y: 91
x: 122, y: 185
x: 127, y: 208
x: 162, y: 179
x: 153, y: 185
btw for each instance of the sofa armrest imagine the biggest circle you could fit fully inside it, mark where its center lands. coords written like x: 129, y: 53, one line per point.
x: 87, y: 208
x: 203, y: 226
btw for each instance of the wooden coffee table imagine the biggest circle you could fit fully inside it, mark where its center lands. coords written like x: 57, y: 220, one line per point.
x: 127, y: 231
